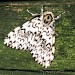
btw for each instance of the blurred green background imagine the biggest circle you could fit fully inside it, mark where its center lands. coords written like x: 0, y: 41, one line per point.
x: 13, y: 62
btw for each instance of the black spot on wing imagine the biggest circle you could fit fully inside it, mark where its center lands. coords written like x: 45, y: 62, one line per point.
x: 53, y: 44
x: 35, y: 33
x: 40, y: 36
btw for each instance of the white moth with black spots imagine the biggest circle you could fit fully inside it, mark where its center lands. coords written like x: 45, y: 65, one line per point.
x: 36, y: 35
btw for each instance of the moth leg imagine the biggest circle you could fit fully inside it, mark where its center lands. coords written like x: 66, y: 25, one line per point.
x: 56, y: 34
x: 59, y: 16
x: 31, y: 13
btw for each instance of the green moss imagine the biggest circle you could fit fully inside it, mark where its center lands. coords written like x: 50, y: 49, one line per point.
x: 11, y: 17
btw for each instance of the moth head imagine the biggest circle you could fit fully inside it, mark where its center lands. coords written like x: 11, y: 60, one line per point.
x: 48, y: 17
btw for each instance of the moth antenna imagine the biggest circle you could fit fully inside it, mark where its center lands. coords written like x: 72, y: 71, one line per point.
x: 59, y: 16
x: 31, y: 13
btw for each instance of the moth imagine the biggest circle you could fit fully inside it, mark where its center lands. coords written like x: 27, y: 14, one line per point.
x: 37, y: 36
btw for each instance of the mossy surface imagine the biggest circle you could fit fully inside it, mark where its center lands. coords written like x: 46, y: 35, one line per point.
x: 13, y: 14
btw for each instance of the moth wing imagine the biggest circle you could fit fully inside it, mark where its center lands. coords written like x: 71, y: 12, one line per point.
x: 21, y: 37
x: 44, y: 57
x: 18, y: 37
x: 44, y: 51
